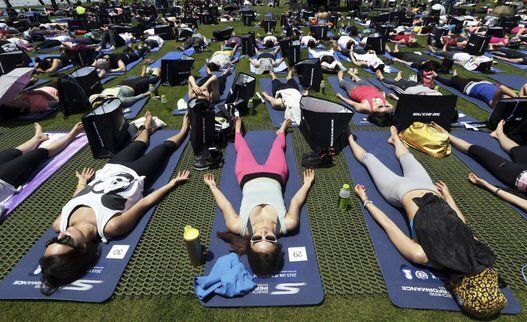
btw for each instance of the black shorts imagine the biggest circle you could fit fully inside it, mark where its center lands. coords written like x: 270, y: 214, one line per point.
x: 265, y: 55
x: 277, y: 85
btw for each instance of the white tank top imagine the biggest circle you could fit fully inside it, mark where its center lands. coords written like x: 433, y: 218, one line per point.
x: 262, y: 191
x: 114, y: 190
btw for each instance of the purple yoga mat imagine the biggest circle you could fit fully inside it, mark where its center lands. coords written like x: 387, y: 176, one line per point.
x: 46, y: 170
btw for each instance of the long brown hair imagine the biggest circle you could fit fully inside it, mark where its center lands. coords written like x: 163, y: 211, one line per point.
x: 262, y: 264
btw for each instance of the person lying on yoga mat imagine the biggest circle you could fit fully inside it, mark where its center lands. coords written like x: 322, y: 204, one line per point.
x: 222, y: 59
x: 233, y: 41
x: 509, y: 55
x: 19, y: 164
x: 286, y: 96
x: 268, y: 41
x: 263, y: 216
x: 403, y: 38
x: 110, y: 36
x: 345, y: 43
x: 130, y: 90
x: 439, y: 236
x: 116, y: 62
x: 309, y: 41
x: 511, y: 173
x: 30, y: 101
x: 365, y: 98
x: 208, y: 88
x: 265, y: 61
x: 327, y: 60
x: 196, y: 41
x: 404, y: 86
x: 108, y: 206
x: 367, y: 60
x: 468, y: 61
x: 412, y: 59
x: 51, y: 64
x: 481, y: 89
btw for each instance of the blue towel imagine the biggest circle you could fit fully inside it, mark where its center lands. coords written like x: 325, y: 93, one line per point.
x: 228, y: 278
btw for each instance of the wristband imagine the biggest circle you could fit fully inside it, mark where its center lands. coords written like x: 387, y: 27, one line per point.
x: 367, y: 201
x: 497, y: 190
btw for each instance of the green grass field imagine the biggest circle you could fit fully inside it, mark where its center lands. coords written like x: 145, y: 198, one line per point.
x: 361, y: 303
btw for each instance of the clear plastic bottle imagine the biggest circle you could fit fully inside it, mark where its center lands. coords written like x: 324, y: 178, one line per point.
x: 344, y: 197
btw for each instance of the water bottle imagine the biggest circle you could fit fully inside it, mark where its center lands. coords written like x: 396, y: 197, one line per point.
x: 191, y: 237
x: 250, y: 106
x: 163, y: 99
x: 323, y: 87
x: 152, y: 90
x: 344, y: 197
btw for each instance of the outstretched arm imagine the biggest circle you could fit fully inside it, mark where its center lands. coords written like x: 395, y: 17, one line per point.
x: 410, y: 249
x: 505, y: 195
x: 122, y: 224
x: 232, y: 220
x: 121, y: 68
x: 292, y: 218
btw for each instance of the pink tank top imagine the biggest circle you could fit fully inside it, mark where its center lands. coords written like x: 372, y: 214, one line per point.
x: 366, y: 93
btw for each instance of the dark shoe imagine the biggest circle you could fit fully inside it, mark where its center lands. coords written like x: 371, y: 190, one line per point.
x: 314, y: 160
x: 208, y: 159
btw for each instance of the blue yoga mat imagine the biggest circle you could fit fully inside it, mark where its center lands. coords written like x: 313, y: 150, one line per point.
x: 228, y: 88
x: 408, y: 286
x: 99, y: 283
x: 172, y: 55
x: 108, y: 78
x: 277, y: 117
x: 132, y: 111
x: 38, y: 83
x: 36, y: 116
x: 357, y: 118
x: 483, y: 139
x: 299, y: 282
x: 473, y: 100
x: 513, y: 81
x: 519, y: 66
x: 203, y: 73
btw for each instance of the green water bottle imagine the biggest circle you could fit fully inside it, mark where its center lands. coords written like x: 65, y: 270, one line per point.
x: 344, y: 197
x: 323, y: 87
x: 152, y: 90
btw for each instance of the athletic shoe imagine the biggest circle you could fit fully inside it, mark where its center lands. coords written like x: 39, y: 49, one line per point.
x: 208, y: 159
x: 314, y: 160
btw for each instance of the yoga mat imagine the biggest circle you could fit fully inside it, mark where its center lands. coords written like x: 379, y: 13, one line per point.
x: 408, y: 286
x: 277, y: 117
x: 99, y: 283
x: 38, y: 83
x: 228, y: 88
x: 299, y: 281
x: 171, y: 55
x: 131, y: 112
x: 203, y: 73
x: 108, y: 78
x: 357, y: 118
x: 45, y: 171
x: 519, y: 66
x: 36, y: 116
x: 483, y: 139
x: 47, y: 50
x: 513, y: 81
x: 473, y: 100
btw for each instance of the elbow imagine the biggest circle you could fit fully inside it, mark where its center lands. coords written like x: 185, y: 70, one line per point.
x: 56, y: 226
x: 418, y: 257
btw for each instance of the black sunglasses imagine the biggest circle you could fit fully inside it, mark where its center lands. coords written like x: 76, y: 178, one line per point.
x: 258, y: 238
x: 66, y: 240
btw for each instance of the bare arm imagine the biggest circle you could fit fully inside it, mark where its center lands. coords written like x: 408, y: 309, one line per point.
x: 121, y: 68
x: 505, y: 195
x: 232, y: 220
x: 445, y: 193
x: 122, y: 224
x: 292, y: 218
x: 359, y: 107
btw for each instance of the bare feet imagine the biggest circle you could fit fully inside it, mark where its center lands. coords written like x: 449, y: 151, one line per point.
x: 186, y: 123
x: 238, y: 123
x: 39, y: 135
x: 77, y: 129
x: 285, y: 125
x: 148, y: 122
x: 399, y: 76
x: 394, y: 135
x: 454, y: 72
x: 379, y: 75
x: 498, y: 131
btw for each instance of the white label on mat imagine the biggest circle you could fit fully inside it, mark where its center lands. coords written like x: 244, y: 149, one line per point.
x: 118, y: 251
x: 297, y: 254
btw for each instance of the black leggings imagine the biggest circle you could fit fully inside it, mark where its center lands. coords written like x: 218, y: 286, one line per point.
x: 398, y: 86
x: 148, y: 165
x: 503, y: 169
x: 111, y: 37
x: 140, y: 84
x: 16, y: 168
x: 457, y: 82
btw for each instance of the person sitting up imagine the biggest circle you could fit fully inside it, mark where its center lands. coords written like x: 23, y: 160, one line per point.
x: 221, y: 60
x: 286, y: 96
x: 439, y: 235
x: 19, y: 164
x: 511, y: 173
x: 208, y: 88
x: 88, y: 218
x: 266, y: 61
x: 263, y: 216
x: 365, y: 98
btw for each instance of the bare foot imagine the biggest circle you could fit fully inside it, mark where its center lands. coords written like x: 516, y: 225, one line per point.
x: 77, y: 129
x: 454, y: 72
x: 285, y: 125
x: 238, y: 123
x: 498, y: 131
x: 148, y: 121
x: 399, y: 76
x: 378, y: 73
x: 39, y: 135
x: 394, y: 137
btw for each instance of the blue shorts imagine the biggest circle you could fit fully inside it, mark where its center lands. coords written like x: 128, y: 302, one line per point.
x: 484, y: 91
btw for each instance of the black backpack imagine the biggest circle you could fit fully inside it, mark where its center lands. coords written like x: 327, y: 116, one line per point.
x: 72, y: 97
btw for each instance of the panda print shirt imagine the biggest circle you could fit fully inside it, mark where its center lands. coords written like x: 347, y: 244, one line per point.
x: 114, y: 190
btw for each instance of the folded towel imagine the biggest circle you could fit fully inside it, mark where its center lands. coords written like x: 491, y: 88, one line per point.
x: 228, y: 278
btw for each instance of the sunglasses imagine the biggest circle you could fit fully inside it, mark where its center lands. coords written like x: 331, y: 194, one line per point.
x: 66, y: 240
x: 258, y: 238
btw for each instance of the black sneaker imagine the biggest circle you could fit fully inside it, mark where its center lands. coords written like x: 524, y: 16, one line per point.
x: 314, y: 160
x: 208, y: 159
